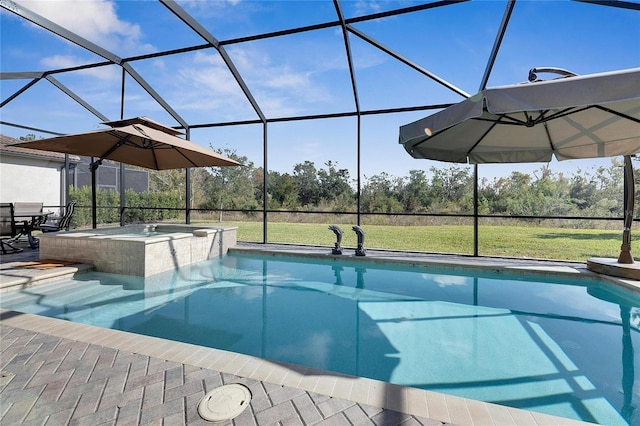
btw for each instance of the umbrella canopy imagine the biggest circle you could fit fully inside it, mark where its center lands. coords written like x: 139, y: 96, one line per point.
x: 588, y: 116
x: 139, y: 142
x: 573, y: 117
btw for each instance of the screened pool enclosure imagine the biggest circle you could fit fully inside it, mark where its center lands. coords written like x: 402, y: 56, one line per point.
x: 309, y: 96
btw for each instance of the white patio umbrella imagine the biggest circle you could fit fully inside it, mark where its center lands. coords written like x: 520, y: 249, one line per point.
x: 573, y: 117
x: 139, y: 141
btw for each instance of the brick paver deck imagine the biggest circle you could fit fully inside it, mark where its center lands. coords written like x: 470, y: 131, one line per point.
x: 56, y: 381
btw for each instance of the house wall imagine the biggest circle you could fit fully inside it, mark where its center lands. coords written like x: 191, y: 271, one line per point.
x: 31, y: 179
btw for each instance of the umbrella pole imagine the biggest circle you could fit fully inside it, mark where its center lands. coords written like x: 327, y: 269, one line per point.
x: 629, y: 199
x: 94, y: 216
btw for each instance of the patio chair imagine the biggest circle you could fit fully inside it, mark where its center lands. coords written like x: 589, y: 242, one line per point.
x: 28, y: 207
x: 58, y: 223
x: 8, y: 229
x: 20, y: 207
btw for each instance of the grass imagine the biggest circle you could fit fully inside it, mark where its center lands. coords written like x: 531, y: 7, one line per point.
x: 494, y: 240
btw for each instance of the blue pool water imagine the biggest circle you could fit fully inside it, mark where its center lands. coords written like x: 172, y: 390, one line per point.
x: 553, y: 346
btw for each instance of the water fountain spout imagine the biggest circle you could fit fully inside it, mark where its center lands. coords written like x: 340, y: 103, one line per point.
x: 337, y: 249
x: 360, y: 251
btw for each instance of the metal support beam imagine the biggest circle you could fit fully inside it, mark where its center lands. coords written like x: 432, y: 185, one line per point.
x: 43, y: 22
x: 347, y: 48
x: 123, y: 169
x: 265, y: 182
x: 21, y: 75
x: 483, y: 84
x: 356, y: 100
x: 76, y: 98
x: 187, y: 187
x: 206, y: 35
x: 209, y: 38
x: 324, y: 25
x: 496, y: 44
x: 151, y: 91
x: 67, y: 179
x: 19, y: 92
x: 407, y: 62
x: 94, y: 196
x: 34, y: 129
x: 613, y: 3
x: 409, y: 9
x: 475, y: 211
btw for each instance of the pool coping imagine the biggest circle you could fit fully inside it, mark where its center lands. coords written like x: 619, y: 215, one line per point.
x: 412, y: 401
x: 502, y: 265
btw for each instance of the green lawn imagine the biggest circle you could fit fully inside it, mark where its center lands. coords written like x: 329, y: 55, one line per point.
x: 512, y: 241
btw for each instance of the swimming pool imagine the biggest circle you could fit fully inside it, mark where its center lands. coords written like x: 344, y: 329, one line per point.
x: 557, y: 347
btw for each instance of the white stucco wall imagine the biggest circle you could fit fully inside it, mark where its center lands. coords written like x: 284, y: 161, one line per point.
x: 30, y: 179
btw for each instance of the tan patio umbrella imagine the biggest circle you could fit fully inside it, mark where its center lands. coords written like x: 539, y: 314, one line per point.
x: 573, y: 117
x: 138, y: 141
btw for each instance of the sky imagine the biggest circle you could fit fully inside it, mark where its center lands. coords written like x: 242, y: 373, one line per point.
x: 302, y: 74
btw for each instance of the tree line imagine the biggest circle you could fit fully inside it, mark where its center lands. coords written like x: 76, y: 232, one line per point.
x: 448, y: 189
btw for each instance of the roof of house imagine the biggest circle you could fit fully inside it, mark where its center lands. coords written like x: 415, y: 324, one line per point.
x: 6, y: 143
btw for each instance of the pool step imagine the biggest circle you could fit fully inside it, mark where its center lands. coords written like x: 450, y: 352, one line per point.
x: 17, y: 275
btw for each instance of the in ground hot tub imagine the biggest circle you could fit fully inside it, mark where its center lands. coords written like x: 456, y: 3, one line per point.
x: 142, y: 250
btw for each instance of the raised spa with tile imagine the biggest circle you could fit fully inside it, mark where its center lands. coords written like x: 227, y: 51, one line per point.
x: 141, y: 250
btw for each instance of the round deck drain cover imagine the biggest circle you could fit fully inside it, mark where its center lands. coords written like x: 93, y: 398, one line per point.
x: 224, y: 402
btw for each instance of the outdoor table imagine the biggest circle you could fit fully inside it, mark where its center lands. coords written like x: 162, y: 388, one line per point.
x: 30, y: 220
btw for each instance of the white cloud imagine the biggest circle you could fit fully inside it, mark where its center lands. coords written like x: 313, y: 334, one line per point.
x: 211, y: 59
x: 279, y: 89
x: 207, y: 4
x: 69, y: 61
x: 160, y: 65
x: 215, y: 80
x: 288, y: 80
x: 448, y: 280
x: 278, y: 106
x: 363, y: 7
x: 315, y: 348
x: 264, y: 73
x: 95, y: 20
x: 60, y: 61
x: 210, y: 80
